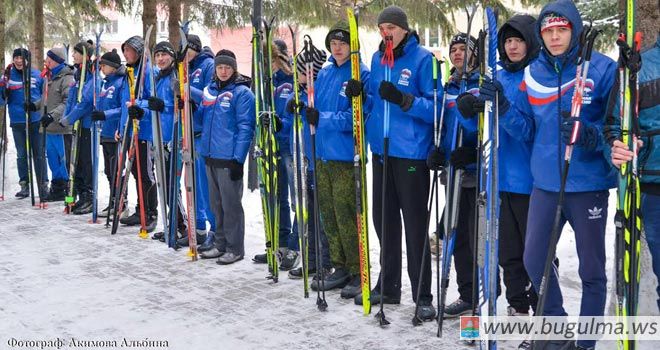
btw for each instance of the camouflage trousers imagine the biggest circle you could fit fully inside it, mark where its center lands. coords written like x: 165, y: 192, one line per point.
x: 336, y: 191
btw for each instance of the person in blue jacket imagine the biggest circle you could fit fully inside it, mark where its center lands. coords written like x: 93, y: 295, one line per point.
x: 409, y: 94
x: 108, y: 110
x: 288, y: 234
x: 82, y: 111
x: 200, y: 72
x: 333, y: 117
x: 463, y: 53
x: 649, y: 152
x: 318, y: 57
x: 541, y: 113
x: 228, y: 110
x: 133, y: 49
x: 164, y: 104
x: 13, y: 92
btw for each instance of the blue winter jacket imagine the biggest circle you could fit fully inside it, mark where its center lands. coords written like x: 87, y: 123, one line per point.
x: 287, y: 123
x: 201, y: 71
x: 515, y: 174
x: 283, y: 84
x: 145, y: 133
x: 16, y: 98
x: 228, y: 120
x: 649, y: 119
x: 109, y: 101
x: 334, y: 138
x: 411, y: 131
x: 547, y: 89
x: 80, y: 110
x: 453, y: 118
x: 164, y: 92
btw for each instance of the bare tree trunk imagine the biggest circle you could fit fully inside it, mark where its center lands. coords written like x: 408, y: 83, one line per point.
x: 648, y: 20
x: 3, y: 49
x: 173, y: 20
x: 149, y: 8
x: 38, y: 35
x: 186, y: 11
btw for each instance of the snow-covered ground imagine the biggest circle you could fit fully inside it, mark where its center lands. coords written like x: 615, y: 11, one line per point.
x: 63, y: 277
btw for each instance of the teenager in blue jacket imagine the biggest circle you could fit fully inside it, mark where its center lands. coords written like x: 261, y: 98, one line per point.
x: 649, y: 153
x: 13, y: 91
x: 108, y: 110
x: 409, y: 93
x: 200, y: 74
x: 133, y: 50
x: 333, y: 117
x: 541, y: 113
x: 82, y: 111
x: 164, y: 104
x: 318, y: 57
x: 228, y: 110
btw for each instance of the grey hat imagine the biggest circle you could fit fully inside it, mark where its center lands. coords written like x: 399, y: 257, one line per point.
x: 57, y: 54
x: 136, y: 42
x: 395, y: 15
x: 194, y: 42
x: 225, y: 57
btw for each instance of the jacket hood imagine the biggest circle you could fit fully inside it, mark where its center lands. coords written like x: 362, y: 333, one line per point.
x: 524, y: 24
x: 201, y: 57
x: 565, y: 8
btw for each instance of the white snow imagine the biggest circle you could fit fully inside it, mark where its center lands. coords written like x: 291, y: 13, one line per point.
x: 63, y: 277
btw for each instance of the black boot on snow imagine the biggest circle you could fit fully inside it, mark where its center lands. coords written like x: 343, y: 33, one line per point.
x: 183, y: 241
x: 24, y: 192
x: 151, y: 222
x: 57, y: 191
x: 131, y: 220
x: 84, y: 205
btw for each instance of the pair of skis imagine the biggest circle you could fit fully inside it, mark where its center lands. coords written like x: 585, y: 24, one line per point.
x: 27, y: 95
x: 266, y: 146
x: 96, y: 129
x: 627, y: 219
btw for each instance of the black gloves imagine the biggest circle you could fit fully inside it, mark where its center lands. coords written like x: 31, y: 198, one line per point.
x: 469, y: 105
x: 179, y: 102
x: 98, y: 115
x: 391, y: 93
x: 156, y: 104
x: 463, y: 156
x: 312, y: 115
x: 277, y: 122
x: 235, y: 170
x: 436, y: 159
x: 353, y: 88
x: 30, y: 107
x: 291, y: 106
x: 587, y: 136
x: 135, y: 112
x: 487, y: 92
x: 47, y: 120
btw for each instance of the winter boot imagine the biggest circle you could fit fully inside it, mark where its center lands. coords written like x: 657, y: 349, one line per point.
x: 132, y: 220
x: 457, y: 308
x: 24, y: 192
x: 84, y: 204
x: 337, y: 279
x: 57, y: 191
x: 289, y: 260
x: 374, y: 297
x: 151, y: 222
x: 201, y: 237
x: 353, y: 288
x: 208, y: 243
x: 260, y: 259
x: 425, y: 311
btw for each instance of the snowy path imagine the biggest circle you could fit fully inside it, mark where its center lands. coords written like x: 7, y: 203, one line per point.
x: 63, y: 277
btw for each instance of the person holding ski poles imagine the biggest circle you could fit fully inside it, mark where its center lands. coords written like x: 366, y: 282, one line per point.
x: 332, y: 116
x: 13, y: 91
x: 201, y: 73
x: 318, y: 58
x: 108, y: 110
x: 541, y: 114
x: 408, y: 98
x: 164, y: 104
x: 649, y: 153
x: 228, y: 111
x: 61, y: 77
x: 81, y: 111
x: 133, y: 50
x: 463, y: 156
